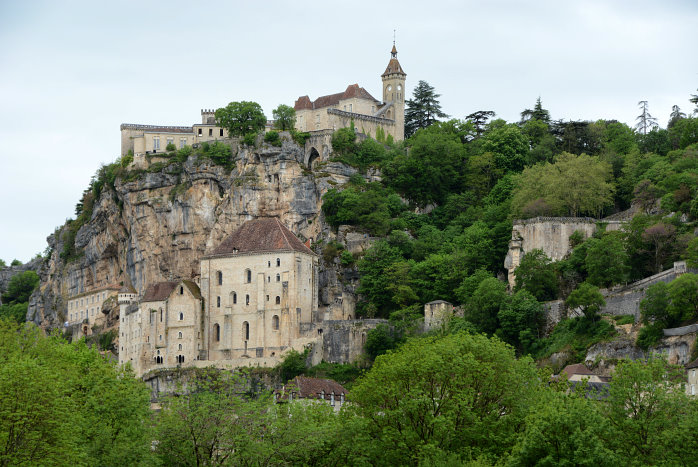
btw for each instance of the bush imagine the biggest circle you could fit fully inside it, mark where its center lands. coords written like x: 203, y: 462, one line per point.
x: 170, y: 147
x: 649, y: 336
x: 624, y: 319
x: 292, y: 365
x: 300, y: 137
x: 272, y: 137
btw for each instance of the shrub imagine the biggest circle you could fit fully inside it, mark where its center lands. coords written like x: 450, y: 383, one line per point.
x: 272, y: 137
x: 170, y: 147
x: 250, y: 139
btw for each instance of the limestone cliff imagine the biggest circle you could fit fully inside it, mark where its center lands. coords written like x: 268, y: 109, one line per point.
x: 156, y: 226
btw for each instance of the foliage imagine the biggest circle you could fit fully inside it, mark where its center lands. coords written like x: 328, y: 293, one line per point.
x: 536, y: 274
x: 20, y: 287
x: 3, y: 265
x: 574, y: 335
x: 241, y: 118
x: 520, y: 321
x: 170, y: 147
x: 344, y: 141
x: 284, y: 117
x: 572, y: 185
x: 423, y: 109
x: 508, y: 147
x: 272, y: 137
x: 462, y: 395
x: 66, y: 404
x: 606, y: 260
x: 16, y: 312
x: 484, y: 306
x: 370, y: 206
x: 292, y: 365
x: 379, y: 340
x: 588, y: 299
x: 16, y: 262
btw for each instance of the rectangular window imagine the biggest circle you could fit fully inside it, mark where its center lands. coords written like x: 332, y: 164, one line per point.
x: 182, y: 142
x: 221, y: 131
x: 200, y: 132
x: 210, y: 131
x: 156, y: 143
x: 350, y: 110
x: 170, y: 141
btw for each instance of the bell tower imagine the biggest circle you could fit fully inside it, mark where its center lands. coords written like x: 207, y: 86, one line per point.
x: 394, y: 94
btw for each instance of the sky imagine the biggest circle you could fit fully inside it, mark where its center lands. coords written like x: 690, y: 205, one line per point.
x: 72, y: 71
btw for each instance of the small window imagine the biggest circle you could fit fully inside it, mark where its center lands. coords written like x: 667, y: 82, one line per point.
x: 182, y: 142
x: 235, y: 297
x: 200, y: 132
x: 220, y: 278
x: 246, y: 331
x: 181, y: 316
x: 218, y: 302
x: 248, y: 276
x: 181, y: 290
x: 217, y: 332
x: 221, y: 132
x: 275, y: 323
x: 268, y: 278
x: 210, y: 131
x: 160, y: 336
x: 179, y: 347
x: 269, y: 262
x: 278, y: 262
x: 267, y: 297
x: 161, y: 315
x: 278, y: 300
x: 247, y: 299
x: 278, y: 278
x: 156, y: 143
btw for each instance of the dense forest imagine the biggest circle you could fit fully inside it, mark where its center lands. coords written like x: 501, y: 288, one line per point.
x: 467, y: 394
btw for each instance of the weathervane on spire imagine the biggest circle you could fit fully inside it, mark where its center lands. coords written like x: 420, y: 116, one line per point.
x: 394, y: 51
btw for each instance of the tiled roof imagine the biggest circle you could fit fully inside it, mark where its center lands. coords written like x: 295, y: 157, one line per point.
x: 393, y: 67
x: 313, y: 387
x: 577, y: 369
x: 261, y: 235
x: 159, y: 291
x: 157, y: 128
x: 353, y: 90
x: 162, y: 290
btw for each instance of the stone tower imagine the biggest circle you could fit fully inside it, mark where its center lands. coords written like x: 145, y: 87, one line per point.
x: 394, y: 93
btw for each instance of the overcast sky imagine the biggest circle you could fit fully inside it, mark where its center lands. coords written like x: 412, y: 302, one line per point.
x: 72, y: 71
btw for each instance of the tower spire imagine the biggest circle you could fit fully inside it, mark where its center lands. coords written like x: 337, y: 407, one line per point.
x: 393, y: 52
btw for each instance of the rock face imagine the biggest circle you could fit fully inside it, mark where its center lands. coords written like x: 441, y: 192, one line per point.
x: 6, y: 274
x: 157, y: 226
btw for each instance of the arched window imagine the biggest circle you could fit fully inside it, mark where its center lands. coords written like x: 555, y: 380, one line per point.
x: 181, y: 316
x: 220, y: 278
x: 268, y: 264
x: 275, y: 323
x: 233, y: 298
x: 278, y: 278
x: 246, y: 331
x: 179, y: 347
x: 247, y: 300
x: 218, y: 301
x: 179, y: 336
x: 278, y: 262
x: 217, y: 332
x: 268, y: 278
x: 248, y: 276
x: 278, y: 300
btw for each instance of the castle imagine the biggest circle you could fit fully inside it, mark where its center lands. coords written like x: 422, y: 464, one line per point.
x: 319, y: 117
x: 257, y: 298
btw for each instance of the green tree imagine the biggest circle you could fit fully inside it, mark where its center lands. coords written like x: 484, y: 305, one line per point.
x: 660, y: 238
x: 564, y: 429
x: 645, y: 121
x: 654, y: 308
x: 3, y: 265
x: 536, y: 274
x: 241, y: 118
x: 508, y: 146
x: 483, y: 307
x: 683, y: 293
x: 461, y: 395
x: 675, y: 115
x: 375, y: 283
x: 479, y: 120
x: 16, y: 262
x: 380, y: 340
x: 573, y: 185
x: 606, y: 260
x: 520, y: 320
x: 292, y: 365
x: 538, y: 113
x: 588, y: 299
x: 284, y: 117
x: 20, y: 287
x: 423, y: 109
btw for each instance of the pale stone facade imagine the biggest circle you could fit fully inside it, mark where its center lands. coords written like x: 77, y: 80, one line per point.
x: 355, y: 105
x: 692, y: 374
x: 437, y: 314
x: 258, y: 296
x: 86, y: 308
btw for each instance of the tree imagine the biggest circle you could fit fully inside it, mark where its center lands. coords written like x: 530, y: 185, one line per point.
x: 284, y: 117
x: 3, y: 265
x: 508, y: 146
x: 573, y: 185
x: 484, y: 305
x: 683, y: 292
x: 536, y: 274
x: 292, y: 365
x: 241, y: 118
x: 423, y: 109
x: 675, y: 116
x: 538, y: 113
x: 588, y: 299
x: 461, y: 395
x: 654, y: 307
x: 20, y: 287
x: 694, y: 100
x: 520, y: 320
x: 606, y: 261
x: 645, y: 121
x: 479, y: 120
x: 660, y: 238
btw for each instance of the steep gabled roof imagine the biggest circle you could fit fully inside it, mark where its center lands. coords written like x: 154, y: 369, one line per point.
x: 313, y: 387
x: 159, y: 291
x: 162, y: 290
x: 265, y: 234
x: 353, y: 90
x: 577, y: 369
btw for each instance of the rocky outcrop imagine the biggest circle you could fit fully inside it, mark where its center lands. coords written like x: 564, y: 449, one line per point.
x: 7, y: 273
x: 156, y: 224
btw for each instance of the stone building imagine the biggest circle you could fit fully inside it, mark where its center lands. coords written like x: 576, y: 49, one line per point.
x: 355, y: 105
x: 86, y: 308
x: 165, y: 330
x: 437, y: 314
x: 258, y: 299
x: 692, y: 376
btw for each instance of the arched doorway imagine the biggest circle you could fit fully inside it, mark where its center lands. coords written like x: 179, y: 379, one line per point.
x: 314, y: 155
